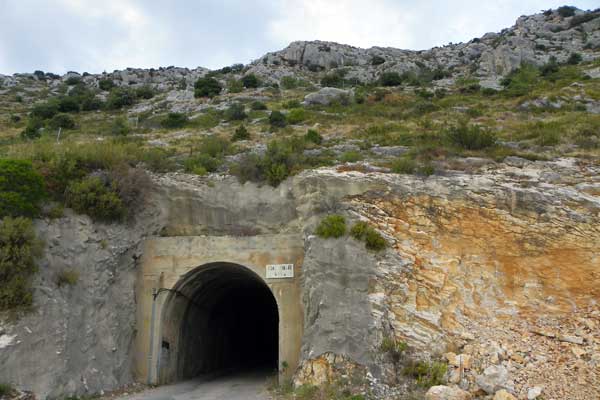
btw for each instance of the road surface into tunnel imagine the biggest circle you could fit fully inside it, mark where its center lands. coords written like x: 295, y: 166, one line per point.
x: 220, y: 318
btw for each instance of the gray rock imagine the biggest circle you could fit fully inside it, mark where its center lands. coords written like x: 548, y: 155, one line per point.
x: 327, y: 95
x: 494, y: 378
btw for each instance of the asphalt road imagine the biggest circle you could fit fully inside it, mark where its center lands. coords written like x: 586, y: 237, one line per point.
x: 240, y: 386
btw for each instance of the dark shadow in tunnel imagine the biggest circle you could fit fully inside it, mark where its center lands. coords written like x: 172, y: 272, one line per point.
x: 223, y: 318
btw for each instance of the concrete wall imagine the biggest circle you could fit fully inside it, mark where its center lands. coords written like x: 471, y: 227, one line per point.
x: 166, y: 260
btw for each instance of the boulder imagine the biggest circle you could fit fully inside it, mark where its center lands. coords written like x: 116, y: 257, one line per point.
x: 504, y: 395
x: 327, y: 95
x: 534, y: 392
x: 494, y: 378
x: 447, y: 393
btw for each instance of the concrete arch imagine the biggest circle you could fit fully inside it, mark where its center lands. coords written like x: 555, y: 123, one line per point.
x: 218, y: 317
x: 183, y: 279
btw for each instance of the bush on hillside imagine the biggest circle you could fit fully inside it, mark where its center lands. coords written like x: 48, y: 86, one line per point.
x: 313, y: 136
x: 119, y: 98
x: 96, y: 198
x: 364, y: 232
x: 19, y: 248
x: 566, y: 11
x: 241, y: 133
x: 21, y: 189
x: 235, y: 112
x: 471, y: 137
x: 44, y: 110
x: 277, y: 119
x: 295, y: 116
x: 234, y: 86
x: 120, y: 127
x: 377, y: 60
x: 574, y: 59
x: 520, y: 81
x: 258, y: 106
x: 250, y: 81
x: 63, y: 121
x: 174, y: 120
x: 144, y: 92
x: 332, y: 226
x: 106, y: 84
x: 207, y: 87
x: 33, y: 129
x: 390, y: 79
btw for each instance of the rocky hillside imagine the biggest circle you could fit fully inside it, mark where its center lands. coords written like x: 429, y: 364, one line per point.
x: 468, y: 177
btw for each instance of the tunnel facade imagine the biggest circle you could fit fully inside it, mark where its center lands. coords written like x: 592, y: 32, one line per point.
x: 220, y: 317
x: 206, y: 305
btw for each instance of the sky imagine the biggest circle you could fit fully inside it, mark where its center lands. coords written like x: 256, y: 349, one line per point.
x: 104, y: 35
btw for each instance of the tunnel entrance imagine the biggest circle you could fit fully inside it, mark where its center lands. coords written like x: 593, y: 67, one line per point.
x: 219, y: 318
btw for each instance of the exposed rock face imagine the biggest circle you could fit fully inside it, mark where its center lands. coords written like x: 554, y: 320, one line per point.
x: 447, y: 393
x: 501, y: 265
x: 327, y: 95
x: 532, y: 39
x: 78, y: 338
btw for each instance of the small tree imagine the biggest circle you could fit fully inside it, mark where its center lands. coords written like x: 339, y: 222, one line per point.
x: 235, y: 112
x: 277, y: 119
x: 106, y: 84
x: 250, y: 81
x: 207, y: 87
x: 313, y: 137
x: 241, y: 133
x: 574, y: 59
x: 21, y: 188
x: 174, y: 120
x: 390, y: 79
x: 120, y: 97
x: 19, y: 248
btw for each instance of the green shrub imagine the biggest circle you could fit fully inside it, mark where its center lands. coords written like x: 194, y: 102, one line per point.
x: 365, y: 232
x: 351, y: 156
x: 574, y: 59
x: 313, y: 136
x: 394, y: 348
x: 390, y: 79
x: 91, y: 103
x: 374, y: 240
x: 19, y: 248
x: 234, y: 86
x: 377, y: 60
x: 332, y: 226
x: 550, y: 67
x: 174, y: 120
x: 144, y: 92
x: 471, y: 137
x: 296, y: 116
x: 21, y: 188
x: 258, y: 106
x: 44, y: 110
x: 68, y: 104
x: 427, y: 374
x: 520, y: 81
x: 106, y: 84
x: 291, y: 104
x: 93, y: 197
x: 120, y: 127
x: 66, y: 277
x: 250, y: 81
x: 332, y: 80
x: 33, y: 129
x: 277, y: 119
x: 289, y: 82
x: 241, y: 133
x: 73, y: 80
x: 62, y: 121
x: 207, y: 87
x: 404, y: 165
x: 566, y: 11
x: 119, y: 98
x: 6, y: 390
x: 235, y: 112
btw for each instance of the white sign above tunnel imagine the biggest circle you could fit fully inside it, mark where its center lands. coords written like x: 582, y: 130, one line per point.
x: 277, y: 271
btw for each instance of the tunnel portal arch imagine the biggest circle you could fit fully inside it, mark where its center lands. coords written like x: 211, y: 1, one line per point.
x: 219, y: 317
x: 205, y: 304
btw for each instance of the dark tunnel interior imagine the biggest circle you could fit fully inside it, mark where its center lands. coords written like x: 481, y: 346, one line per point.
x: 224, y: 319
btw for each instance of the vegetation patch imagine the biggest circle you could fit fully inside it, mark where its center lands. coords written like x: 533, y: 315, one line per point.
x: 332, y: 226
x: 366, y: 233
x: 21, y: 189
x: 19, y: 249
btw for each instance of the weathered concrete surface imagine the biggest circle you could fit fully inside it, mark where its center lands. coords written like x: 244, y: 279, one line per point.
x: 166, y: 261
